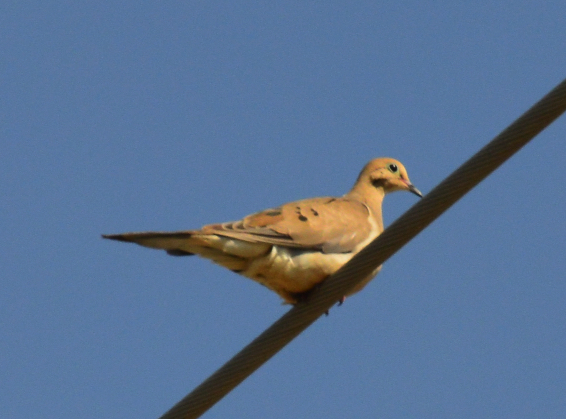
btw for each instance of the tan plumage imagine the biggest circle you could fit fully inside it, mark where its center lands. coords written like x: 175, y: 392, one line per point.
x: 292, y: 248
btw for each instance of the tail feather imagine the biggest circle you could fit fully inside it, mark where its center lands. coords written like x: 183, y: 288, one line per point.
x: 175, y: 243
x: 186, y: 243
x: 177, y: 252
x: 181, y: 243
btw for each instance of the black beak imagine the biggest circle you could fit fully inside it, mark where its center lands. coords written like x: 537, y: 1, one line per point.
x: 413, y: 189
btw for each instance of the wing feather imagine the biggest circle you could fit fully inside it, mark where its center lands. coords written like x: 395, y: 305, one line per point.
x: 332, y: 225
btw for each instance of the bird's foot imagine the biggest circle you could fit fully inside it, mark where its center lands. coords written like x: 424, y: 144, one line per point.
x: 303, y: 297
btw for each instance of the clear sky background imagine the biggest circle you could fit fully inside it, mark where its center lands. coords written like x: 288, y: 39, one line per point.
x: 121, y: 116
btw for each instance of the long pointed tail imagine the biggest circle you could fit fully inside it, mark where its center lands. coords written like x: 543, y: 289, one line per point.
x: 175, y: 243
x: 186, y: 243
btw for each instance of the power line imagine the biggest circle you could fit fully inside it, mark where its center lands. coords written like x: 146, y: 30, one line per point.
x: 442, y: 197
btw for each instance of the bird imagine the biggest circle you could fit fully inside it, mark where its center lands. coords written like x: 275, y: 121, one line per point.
x: 293, y: 248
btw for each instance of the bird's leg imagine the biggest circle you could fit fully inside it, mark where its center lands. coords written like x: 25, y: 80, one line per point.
x: 299, y: 297
x: 303, y: 297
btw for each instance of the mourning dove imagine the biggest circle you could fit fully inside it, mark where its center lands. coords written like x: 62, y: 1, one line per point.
x: 292, y: 248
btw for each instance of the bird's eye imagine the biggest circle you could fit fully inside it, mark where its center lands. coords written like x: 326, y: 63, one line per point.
x: 393, y: 167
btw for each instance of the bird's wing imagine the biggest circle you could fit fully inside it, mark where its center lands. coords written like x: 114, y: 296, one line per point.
x: 332, y: 225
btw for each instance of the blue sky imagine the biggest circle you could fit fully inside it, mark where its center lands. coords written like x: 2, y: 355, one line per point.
x: 121, y: 116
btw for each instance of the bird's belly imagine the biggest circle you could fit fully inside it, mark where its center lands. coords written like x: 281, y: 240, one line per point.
x: 289, y: 271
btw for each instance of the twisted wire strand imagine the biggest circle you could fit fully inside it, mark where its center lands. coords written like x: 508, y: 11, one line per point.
x: 442, y: 197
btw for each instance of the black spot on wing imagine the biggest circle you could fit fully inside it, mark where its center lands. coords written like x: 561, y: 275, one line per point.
x: 273, y: 213
x: 302, y: 218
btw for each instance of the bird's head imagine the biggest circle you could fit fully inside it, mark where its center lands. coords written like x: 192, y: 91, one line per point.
x: 386, y: 173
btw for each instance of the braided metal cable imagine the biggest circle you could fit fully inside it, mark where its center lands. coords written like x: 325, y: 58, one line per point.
x: 389, y: 242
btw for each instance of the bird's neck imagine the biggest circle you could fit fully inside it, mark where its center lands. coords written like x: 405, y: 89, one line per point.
x: 373, y: 199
